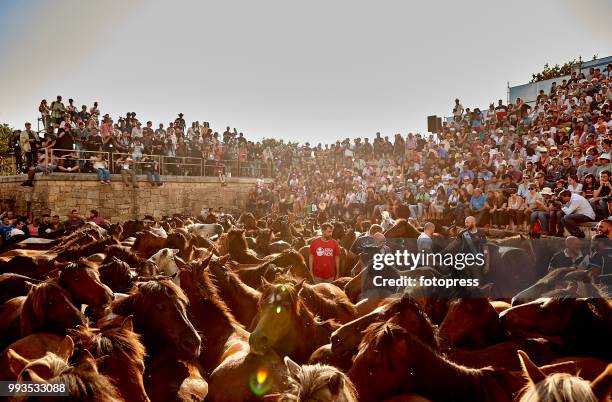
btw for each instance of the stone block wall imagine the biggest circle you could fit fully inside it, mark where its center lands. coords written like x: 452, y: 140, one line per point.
x: 59, y: 193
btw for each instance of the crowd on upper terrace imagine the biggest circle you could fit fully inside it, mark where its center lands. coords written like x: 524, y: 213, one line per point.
x: 506, y: 165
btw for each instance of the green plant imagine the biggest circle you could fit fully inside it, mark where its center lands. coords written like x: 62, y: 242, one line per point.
x: 554, y: 72
x: 5, y: 159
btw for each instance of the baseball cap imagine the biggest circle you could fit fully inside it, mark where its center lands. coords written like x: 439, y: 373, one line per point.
x: 589, y: 157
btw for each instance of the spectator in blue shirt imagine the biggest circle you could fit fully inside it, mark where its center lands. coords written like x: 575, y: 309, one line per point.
x: 479, y: 207
x: 485, y: 174
x: 5, y: 227
x: 465, y: 172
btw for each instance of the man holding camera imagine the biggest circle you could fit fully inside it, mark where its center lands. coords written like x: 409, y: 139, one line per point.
x: 600, y: 195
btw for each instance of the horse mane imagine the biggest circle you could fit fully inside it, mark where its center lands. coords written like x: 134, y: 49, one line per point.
x: 81, y: 384
x: 326, y: 305
x: 558, y: 387
x: 429, y: 332
x: 97, y: 246
x: 314, y: 377
x: 210, y: 292
x: 115, y: 271
x: 124, y: 254
x: 146, y: 294
x: 34, y: 309
x: 108, y: 340
x: 450, y: 382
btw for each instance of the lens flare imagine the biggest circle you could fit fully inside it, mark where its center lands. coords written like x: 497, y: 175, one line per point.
x: 278, y: 309
x: 260, y: 383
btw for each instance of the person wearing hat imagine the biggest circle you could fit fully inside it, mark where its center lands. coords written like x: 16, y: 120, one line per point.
x: 541, y: 211
x: 604, y: 163
x: 587, y: 168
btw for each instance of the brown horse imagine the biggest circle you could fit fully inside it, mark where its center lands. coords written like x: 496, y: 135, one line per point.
x: 563, y: 386
x: 10, y: 312
x: 168, y: 379
x: 82, y: 280
x: 32, y: 266
x: 147, y: 243
x: 124, y: 254
x: 471, y: 323
x: 401, y: 229
x: 328, y: 302
x: 318, y: 383
x: 83, y: 382
x: 585, y: 325
x: 160, y: 315
x: 284, y: 324
x: 31, y: 347
x: 49, y: 308
x: 391, y: 361
x: 119, y: 353
x: 294, y: 261
x: 238, y: 249
x: 211, y: 316
x: 13, y: 285
x: 117, y: 275
x: 240, y: 298
x: 88, y: 249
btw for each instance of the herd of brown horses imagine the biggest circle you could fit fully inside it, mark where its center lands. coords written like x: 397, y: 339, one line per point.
x: 237, y: 317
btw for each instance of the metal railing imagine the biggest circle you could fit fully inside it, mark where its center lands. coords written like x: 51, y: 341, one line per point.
x: 168, y: 165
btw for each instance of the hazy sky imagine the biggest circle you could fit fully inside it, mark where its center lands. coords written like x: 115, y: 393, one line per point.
x: 309, y: 71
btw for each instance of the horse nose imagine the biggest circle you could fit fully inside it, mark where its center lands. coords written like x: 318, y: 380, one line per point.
x: 258, y: 343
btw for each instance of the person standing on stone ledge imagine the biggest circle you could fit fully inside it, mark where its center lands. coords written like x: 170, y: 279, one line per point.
x: 151, y: 168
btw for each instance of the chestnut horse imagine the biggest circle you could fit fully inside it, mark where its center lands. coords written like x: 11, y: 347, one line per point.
x: 240, y: 298
x: 83, y: 381
x: 49, y: 308
x: 13, y: 285
x: 31, y: 347
x: 82, y: 280
x: 121, y: 355
x: 284, y: 324
x: 392, y: 361
x: 159, y: 308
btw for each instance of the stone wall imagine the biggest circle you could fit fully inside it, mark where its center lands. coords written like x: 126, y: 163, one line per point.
x: 59, y: 193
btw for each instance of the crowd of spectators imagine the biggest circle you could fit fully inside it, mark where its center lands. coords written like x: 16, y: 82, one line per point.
x: 540, y: 168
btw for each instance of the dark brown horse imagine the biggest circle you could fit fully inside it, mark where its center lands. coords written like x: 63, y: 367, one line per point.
x: 392, y: 361
x: 168, y: 379
x: 160, y: 315
x: 401, y: 229
x: 147, y: 244
x: 284, y: 324
x: 238, y: 248
x: 120, y: 356
x: 471, y: 323
x: 117, y: 275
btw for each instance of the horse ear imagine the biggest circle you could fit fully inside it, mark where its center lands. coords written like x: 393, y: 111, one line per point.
x: 55, y: 274
x: 16, y: 362
x: 295, y: 370
x: 65, y: 348
x: 88, y: 362
x: 336, y: 383
x: 531, y: 371
x: 128, y: 323
x: 602, y: 385
x: 29, y: 286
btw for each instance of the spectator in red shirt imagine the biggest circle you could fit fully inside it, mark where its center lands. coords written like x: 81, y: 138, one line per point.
x: 324, y: 258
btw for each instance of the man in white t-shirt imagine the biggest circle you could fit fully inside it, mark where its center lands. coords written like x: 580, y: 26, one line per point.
x: 425, y: 241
